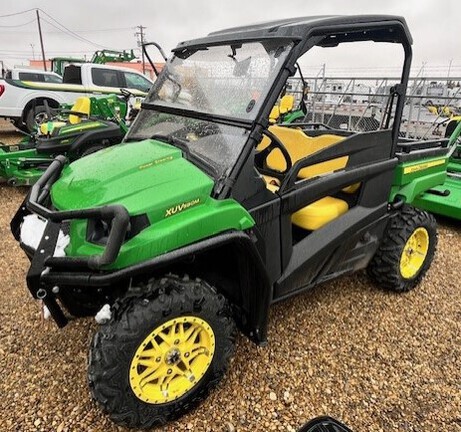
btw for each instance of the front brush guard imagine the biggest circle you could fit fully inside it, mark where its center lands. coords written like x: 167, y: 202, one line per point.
x: 42, y: 258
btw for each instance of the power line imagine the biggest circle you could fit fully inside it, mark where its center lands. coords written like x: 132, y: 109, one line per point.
x: 75, y: 36
x: 70, y: 32
x: 18, y: 25
x: 17, y: 13
x: 108, y: 30
x: 49, y: 51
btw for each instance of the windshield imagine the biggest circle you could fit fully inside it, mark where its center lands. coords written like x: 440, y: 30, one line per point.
x: 228, y: 80
x: 212, y: 146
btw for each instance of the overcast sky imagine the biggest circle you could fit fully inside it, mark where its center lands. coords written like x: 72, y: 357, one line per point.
x: 434, y: 26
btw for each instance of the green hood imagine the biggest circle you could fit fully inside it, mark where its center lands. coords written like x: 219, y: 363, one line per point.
x: 152, y: 178
x: 146, y: 177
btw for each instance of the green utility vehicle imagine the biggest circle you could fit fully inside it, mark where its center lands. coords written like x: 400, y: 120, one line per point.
x: 75, y: 131
x: 206, y: 214
x: 445, y: 199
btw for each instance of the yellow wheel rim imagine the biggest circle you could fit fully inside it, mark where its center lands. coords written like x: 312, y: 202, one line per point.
x: 414, y: 253
x: 172, y: 359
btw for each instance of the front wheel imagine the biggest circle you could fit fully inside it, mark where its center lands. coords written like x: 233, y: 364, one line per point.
x: 406, y: 251
x: 161, y: 352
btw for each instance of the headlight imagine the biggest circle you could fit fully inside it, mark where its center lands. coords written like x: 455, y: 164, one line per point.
x: 98, y: 230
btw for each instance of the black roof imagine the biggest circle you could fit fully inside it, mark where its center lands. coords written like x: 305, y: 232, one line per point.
x: 390, y: 28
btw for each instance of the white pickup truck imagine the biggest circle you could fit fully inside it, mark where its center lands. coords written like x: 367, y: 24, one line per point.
x: 37, y: 75
x: 24, y: 101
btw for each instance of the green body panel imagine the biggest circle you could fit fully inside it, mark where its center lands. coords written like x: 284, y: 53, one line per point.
x: 152, y: 178
x: 12, y: 166
x: 26, y: 166
x: 447, y: 202
x: 293, y: 116
x: 413, y: 178
x: 79, y: 127
x: 454, y: 166
x: 445, y: 198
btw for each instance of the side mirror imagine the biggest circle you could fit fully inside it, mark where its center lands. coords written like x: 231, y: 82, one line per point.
x: 324, y: 424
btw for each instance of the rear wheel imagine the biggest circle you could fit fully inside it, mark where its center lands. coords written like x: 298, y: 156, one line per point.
x: 406, y: 251
x: 35, y: 117
x: 161, y: 352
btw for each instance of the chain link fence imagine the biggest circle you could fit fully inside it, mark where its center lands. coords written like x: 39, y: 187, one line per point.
x: 358, y: 104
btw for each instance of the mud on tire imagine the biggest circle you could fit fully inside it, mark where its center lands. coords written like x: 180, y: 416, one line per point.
x: 384, y: 268
x: 133, y: 319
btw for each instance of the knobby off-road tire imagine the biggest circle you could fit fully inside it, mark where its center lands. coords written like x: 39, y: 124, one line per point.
x: 114, y: 361
x: 406, y: 251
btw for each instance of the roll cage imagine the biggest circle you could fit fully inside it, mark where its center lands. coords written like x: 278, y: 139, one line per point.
x: 305, y: 33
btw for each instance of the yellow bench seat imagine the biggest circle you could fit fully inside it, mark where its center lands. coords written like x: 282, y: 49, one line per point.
x: 319, y: 213
x: 315, y: 215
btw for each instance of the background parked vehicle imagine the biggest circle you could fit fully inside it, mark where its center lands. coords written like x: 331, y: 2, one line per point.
x: 33, y: 75
x: 90, y: 125
x: 24, y: 102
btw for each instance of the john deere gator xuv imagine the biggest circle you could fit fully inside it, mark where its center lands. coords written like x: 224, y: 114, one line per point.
x: 206, y: 214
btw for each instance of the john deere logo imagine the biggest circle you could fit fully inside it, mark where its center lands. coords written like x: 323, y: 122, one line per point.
x: 180, y: 207
x: 156, y: 162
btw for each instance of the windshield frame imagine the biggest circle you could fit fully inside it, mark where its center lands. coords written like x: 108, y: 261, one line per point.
x: 219, y: 118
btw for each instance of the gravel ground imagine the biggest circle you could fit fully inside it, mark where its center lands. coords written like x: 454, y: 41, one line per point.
x: 376, y: 360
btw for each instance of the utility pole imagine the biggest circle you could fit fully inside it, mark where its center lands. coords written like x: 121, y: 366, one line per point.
x: 449, y: 68
x: 33, y: 51
x: 41, y: 39
x: 140, y: 35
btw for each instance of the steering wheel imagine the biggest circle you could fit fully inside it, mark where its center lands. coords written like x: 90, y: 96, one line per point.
x: 275, y: 144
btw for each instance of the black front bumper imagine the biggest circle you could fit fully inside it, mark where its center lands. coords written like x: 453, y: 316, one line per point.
x: 43, y: 261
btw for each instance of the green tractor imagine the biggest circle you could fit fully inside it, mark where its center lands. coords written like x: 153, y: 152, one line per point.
x: 75, y: 131
x: 207, y: 214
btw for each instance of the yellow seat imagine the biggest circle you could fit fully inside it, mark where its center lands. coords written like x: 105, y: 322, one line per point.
x: 299, y: 145
x: 287, y: 104
x: 275, y: 114
x: 319, y: 213
x: 47, y: 128
x: 81, y: 105
x: 315, y: 215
